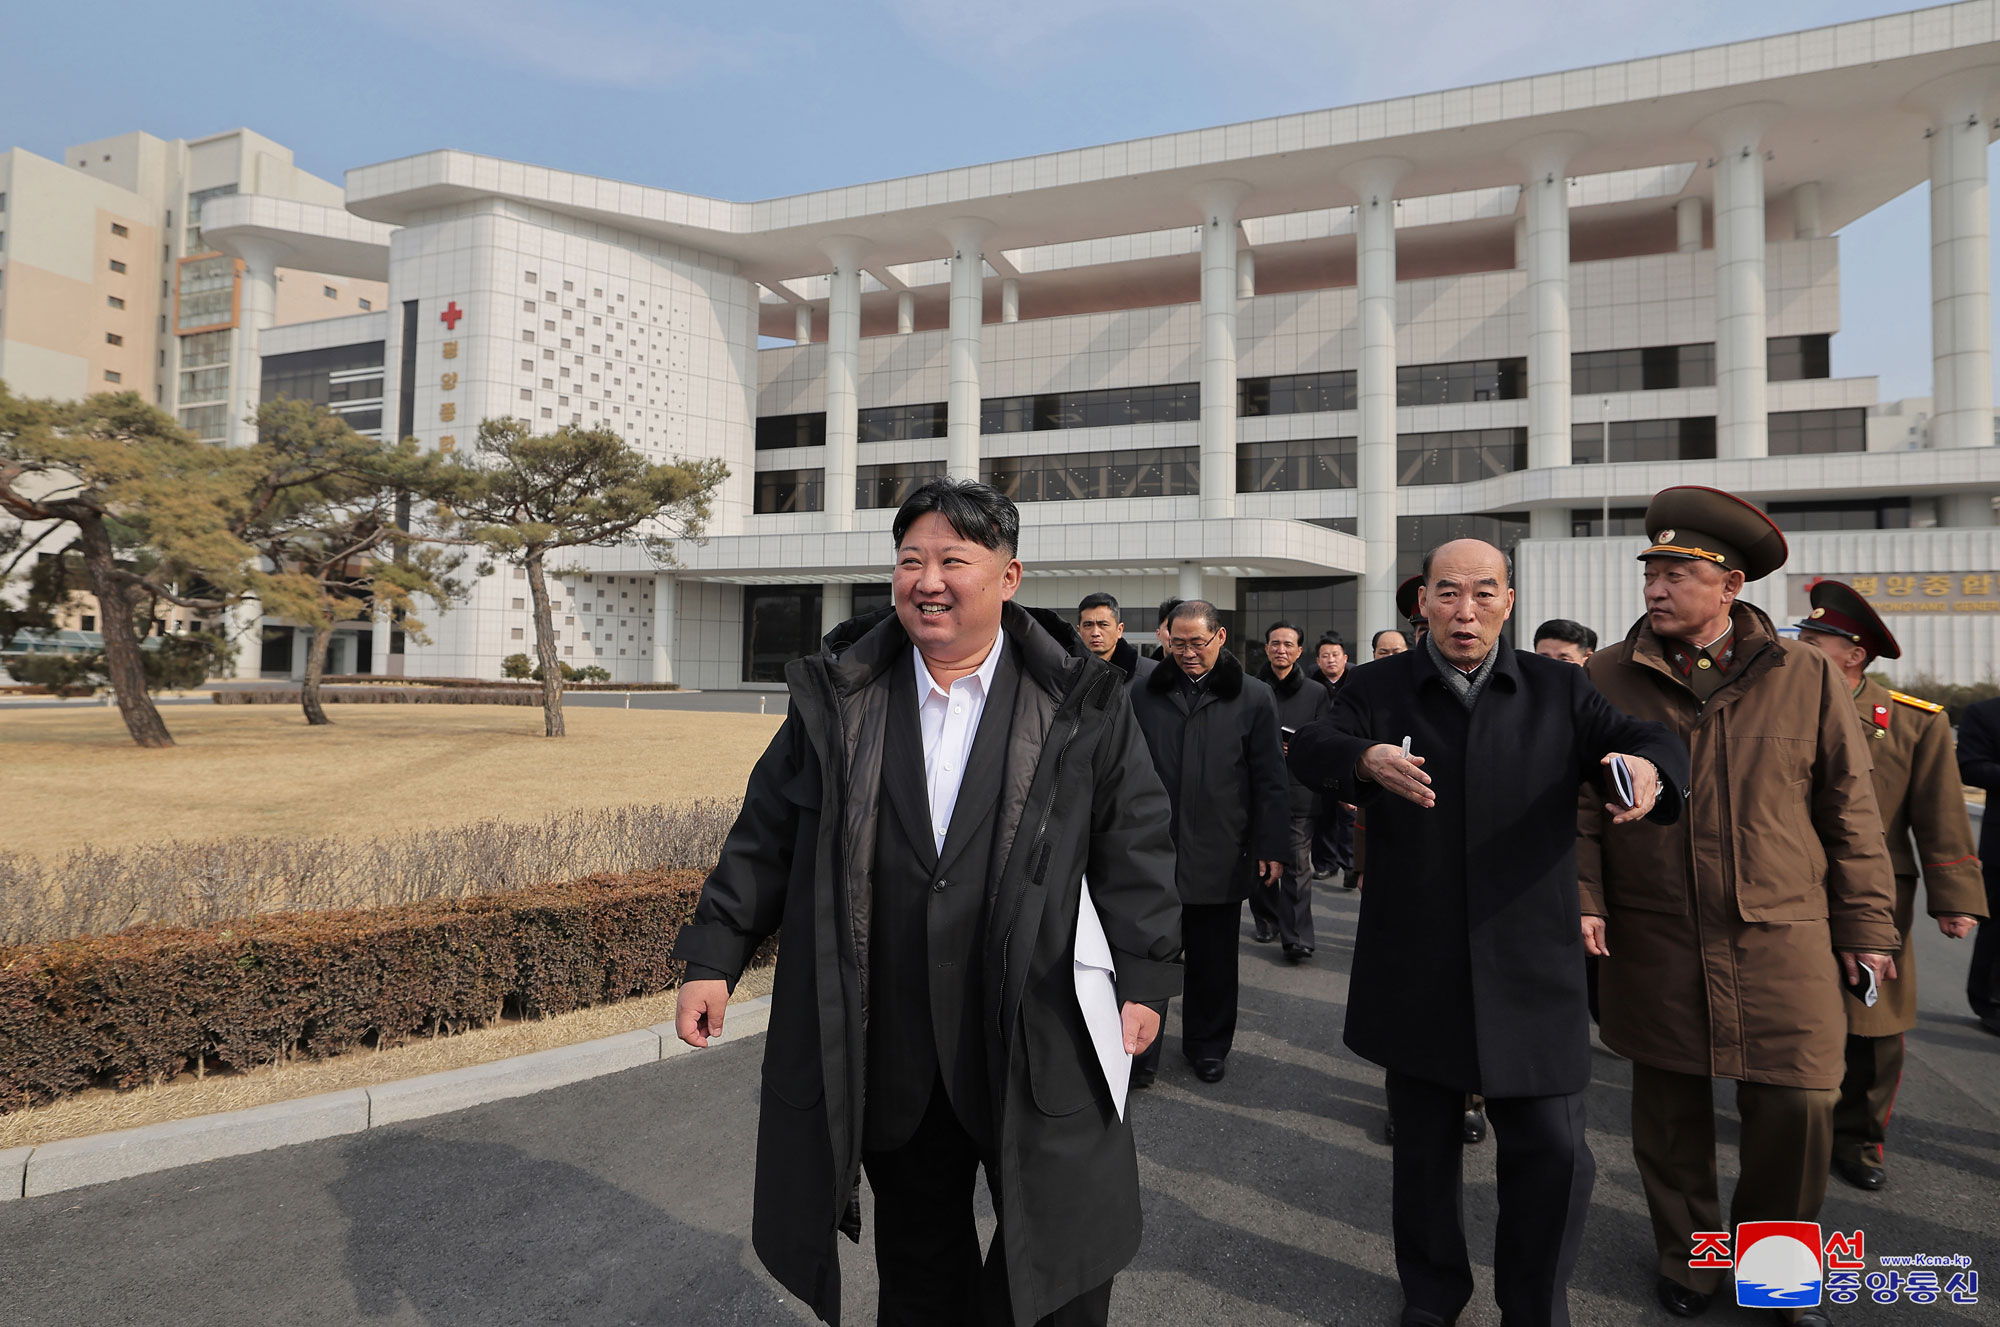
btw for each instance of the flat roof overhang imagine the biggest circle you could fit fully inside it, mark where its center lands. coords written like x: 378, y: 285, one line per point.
x: 311, y: 238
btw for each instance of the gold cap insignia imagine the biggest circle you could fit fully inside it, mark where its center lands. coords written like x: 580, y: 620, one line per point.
x: 1664, y: 537
x: 1819, y: 612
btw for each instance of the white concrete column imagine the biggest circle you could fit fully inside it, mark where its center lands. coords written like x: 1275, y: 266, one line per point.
x: 1520, y: 243
x: 1961, y: 267
x: 1967, y: 511
x: 736, y: 496
x: 843, y: 378
x: 1190, y: 586
x: 1374, y: 183
x: 666, y: 606
x: 1741, y: 423
x: 802, y: 324
x: 1548, y: 523
x: 244, y: 621
x: 1545, y: 196
x: 836, y: 605
x: 1805, y: 211
x: 968, y: 311
x: 906, y: 312
x: 1246, y: 274
x: 257, y: 310
x: 1687, y: 225
x: 1218, y: 201
x: 1010, y: 299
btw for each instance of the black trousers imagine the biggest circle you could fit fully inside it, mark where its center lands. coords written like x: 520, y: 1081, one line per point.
x: 1333, y: 838
x: 1545, y: 1171
x: 1982, y: 983
x: 927, y: 1259
x: 1209, y: 949
x: 1287, y: 907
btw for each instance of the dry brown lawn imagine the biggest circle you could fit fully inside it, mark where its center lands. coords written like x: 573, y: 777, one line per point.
x: 71, y: 777
x: 185, y: 1097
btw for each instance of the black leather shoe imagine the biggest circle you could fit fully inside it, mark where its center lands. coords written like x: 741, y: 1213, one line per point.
x: 1143, y: 1079
x: 1678, y: 1300
x: 1324, y: 875
x: 1991, y: 1022
x: 1351, y: 880
x: 1424, y: 1318
x: 1869, y: 1178
x: 1475, y: 1126
x: 1298, y: 953
x: 1815, y: 1316
x: 1264, y: 933
x: 1210, y: 1071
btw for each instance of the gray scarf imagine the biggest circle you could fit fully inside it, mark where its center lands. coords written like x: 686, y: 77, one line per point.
x: 1466, y: 686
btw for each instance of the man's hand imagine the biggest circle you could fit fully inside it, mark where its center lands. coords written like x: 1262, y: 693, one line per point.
x: 699, y: 1011
x: 1270, y: 872
x: 1956, y: 924
x: 1141, y: 1026
x: 1593, y: 937
x: 1884, y: 966
x: 1645, y: 788
x: 1404, y: 776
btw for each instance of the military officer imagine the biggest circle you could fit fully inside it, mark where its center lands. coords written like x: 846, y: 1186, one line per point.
x: 1918, y: 790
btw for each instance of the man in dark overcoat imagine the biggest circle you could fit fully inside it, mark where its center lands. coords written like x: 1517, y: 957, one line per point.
x: 919, y: 835
x: 1979, y: 767
x: 1284, y: 911
x: 1468, y: 964
x: 1213, y: 734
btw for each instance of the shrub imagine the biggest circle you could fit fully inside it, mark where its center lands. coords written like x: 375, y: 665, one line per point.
x: 60, y: 674
x: 147, y: 1005
x: 516, y: 665
x: 381, y: 696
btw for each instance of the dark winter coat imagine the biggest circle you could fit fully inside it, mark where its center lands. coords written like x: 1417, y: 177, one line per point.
x: 1468, y: 965
x: 1219, y: 756
x: 1078, y: 794
x: 1302, y: 699
x: 1136, y: 666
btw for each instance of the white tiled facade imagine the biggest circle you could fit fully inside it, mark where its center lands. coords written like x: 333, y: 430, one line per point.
x: 640, y: 309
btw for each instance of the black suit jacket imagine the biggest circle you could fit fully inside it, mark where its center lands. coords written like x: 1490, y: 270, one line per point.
x: 1979, y: 767
x: 1468, y: 966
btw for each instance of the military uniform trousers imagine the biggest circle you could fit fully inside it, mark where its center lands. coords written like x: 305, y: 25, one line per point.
x: 1787, y: 1147
x: 1287, y: 906
x: 1875, y: 1062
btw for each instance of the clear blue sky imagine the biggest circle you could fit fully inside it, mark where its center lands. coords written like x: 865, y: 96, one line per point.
x: 747, y: 102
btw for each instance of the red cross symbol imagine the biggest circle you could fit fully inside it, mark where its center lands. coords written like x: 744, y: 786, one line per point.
x: 452, y: 313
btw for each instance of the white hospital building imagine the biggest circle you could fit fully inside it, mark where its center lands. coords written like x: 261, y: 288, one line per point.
x: 1265, y: 363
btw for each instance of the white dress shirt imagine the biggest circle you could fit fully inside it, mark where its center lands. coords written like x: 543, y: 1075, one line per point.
x: 949, y: 717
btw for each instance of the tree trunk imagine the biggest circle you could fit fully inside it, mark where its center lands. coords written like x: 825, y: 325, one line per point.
x: 121, y: 638
x: 545, y: 649
x: 315, y: 670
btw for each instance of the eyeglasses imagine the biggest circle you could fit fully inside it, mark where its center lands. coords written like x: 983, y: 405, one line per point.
x: 1190, y: 646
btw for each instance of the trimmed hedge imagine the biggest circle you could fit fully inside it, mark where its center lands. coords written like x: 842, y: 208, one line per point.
x: 381, y: 696
x: 149, y: 1004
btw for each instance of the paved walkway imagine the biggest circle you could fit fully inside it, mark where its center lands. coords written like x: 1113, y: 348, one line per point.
x: 625, y: 1200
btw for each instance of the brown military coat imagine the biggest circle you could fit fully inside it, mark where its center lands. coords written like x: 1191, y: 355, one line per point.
x: 1923, y: 811
x: 1722, y: 928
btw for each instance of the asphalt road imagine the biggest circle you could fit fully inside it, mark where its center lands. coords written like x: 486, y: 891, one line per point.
x: 625, y: 1200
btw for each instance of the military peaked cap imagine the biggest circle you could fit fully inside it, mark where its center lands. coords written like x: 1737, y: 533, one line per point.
x: 1406, y: 597
x: 1708, y: 525
x: 1838, y: 611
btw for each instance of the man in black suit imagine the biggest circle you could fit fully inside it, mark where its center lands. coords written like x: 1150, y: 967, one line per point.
x: 1283, y: 911
x: 918, y: 835
x: 1213, y: 733
x: 1979, y: 767
x: 1468, y: 965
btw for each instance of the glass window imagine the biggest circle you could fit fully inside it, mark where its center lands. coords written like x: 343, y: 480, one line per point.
x: 120, y: 230
x: 1792, y: 358
x: 780, y: 624
x: 1417, y: 535
x: 775, y: 431
x: 204, y: 348
x: 1459, y: 456
x: 205, y: 384
x: 1294, y: 464
x: 207, y: 422
x: 1161, y: 404
x: 329, y: 376
x: 890, y: 485
x: 1690, y: 439
x: 1588, y: 522
x: 1854, y: 514
x: 1315, y: 603
x: 1797, y: 432
x: 1295, y: 394
x: 195, y: 201
x: 1144, y: 472
x: 207, y: 296
x: 789, y: 491
x: 895, y: 423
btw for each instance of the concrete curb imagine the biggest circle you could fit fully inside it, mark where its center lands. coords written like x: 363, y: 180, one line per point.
x: 52, y: 1167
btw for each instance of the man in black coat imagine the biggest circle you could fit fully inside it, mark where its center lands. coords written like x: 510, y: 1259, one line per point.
x: 1101, y: 624
x: 1213, y: 734
x: 1284, y: 911
x: 1333, y: 831
x: 918, y: 835
x: 1468, y: 964
x: 1979, y: 767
